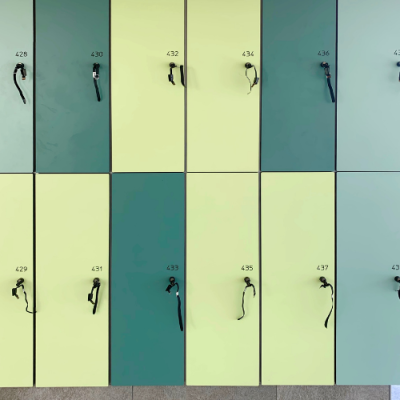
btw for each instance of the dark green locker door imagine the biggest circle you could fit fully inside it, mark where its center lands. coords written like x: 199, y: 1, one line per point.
x: 147, y: 345
x: 368, y: 259
x: 72, y: 126
x: 298, y: 116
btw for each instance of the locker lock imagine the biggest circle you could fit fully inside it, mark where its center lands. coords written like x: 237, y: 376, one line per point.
x: 248, y: 284
x: 20, y: 284
x: 20, y: 66
x: 171, y: 75
x: 398, y: 64
x: 324, y: 285
x: 96, y: 77
x: 326, y: 68
x: 172, y: 283
x: 96, y: 285
x: 397, y: 279
x: 256, y: 78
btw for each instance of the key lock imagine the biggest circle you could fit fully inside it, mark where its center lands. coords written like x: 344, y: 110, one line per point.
x: 256, y: 78
x: 398, y: 64
x: 397, y: 279
x: 21, y: 67
x: 171, y: 75
x: 248, y: 284
x: 96, y: 285
x: 20, y: 284
x: 324, y: 285
x: 96, y: 77
x: 326, y: 68
x: 172, y: 283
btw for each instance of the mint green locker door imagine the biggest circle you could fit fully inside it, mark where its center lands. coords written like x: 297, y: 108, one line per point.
x: 368, y: 259
x: 72, y: 126
x: 298, y: 115
x: 368, y: 85
x: 148, y: 243
x: 16, y: 46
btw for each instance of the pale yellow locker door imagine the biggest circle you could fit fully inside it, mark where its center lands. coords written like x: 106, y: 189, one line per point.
x: 223, y: 117
x: 72, y: 230
x: 16, y: 261
x: 222, y: 250
x: 148, y: 111
x: 298, y: 245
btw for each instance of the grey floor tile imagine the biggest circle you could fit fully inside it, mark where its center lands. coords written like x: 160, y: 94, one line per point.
x: 231, y: 393
x: 333, y: 393
x: 87, y: 393
x: 159, y: 393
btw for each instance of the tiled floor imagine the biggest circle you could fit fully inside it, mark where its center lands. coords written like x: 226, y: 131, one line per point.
x: 201, y: 393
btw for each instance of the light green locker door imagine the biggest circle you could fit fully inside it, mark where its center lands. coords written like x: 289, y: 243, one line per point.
x: 222, y: 249
x: 148, y: 110
x: 222, y: 116
x: 72, y: 230
x: 16, y: 261
x: 298, y: 245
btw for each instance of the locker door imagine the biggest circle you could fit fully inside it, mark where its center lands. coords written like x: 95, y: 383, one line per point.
x: 223, y: 118
x: 368, y: 88
x: 368, y: 236
x: 222, y: 250
x: 16, y: 46
x: 148, y: 110
x: 298, y: 245
x: 72, y: 215
x: 16, y: 261
x: 298, y: 116
x: 72, y: 126
x: 147, y: 249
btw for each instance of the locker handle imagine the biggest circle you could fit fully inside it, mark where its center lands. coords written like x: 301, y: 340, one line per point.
x: 96, y: 285
x: 256, y: 78
x: 171, y: 75
x: 326, y: 67
x: 397, y: 279
x: 96, y: 77
x: 20, y: 66
x: 172, y: 283
x: 18, y: 285
x: 398, y: 64
x: 324, y: 285
x: 248, y: 284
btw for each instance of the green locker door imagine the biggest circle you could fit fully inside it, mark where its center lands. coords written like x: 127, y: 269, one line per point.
x: 72, y: 230
x: 72, y: 126
x: 16, y: 46
x: 16, y: 261
x: 148, y: 243
x: 298, y: 116
x: 368, y: 87
x: 368, y: 259
x: 222, y: 117
x: 298, y: 246
x: 222, y: 250
x: 148, y: 111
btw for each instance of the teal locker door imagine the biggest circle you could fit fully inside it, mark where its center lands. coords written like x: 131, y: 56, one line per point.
x: 368, y: 86
x: 298, y: 116
x: 72, y: 126
x: 147, y: 345
x: 368, y: 259
x: 16, y: 46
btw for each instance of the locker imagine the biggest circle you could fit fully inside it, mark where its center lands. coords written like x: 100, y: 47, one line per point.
x: 72, y: 239
x: 148, y: 110
x: 298, y: 246
x: 16, y: 260
x: 16, y: 46
x: 367, y: 263
x: 222, y: 250
x: 222, y: 113
x: 148, y: 245
x: 298, y: 115
x: 72, y: 126
x: 368, y: 89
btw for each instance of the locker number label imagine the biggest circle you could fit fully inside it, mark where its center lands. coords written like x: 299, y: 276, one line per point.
x: 396, y: 267
x: 248, y: 53
x: 173, y: 267
x: 247, y: 268
x: 322, y: 267
x: 21, y: 269
x: 397, y: 52
x: 97, y: 54
x: 97, y: 268
x: 323, y: 53
x: 173, y: 53
x: 21, y: 54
